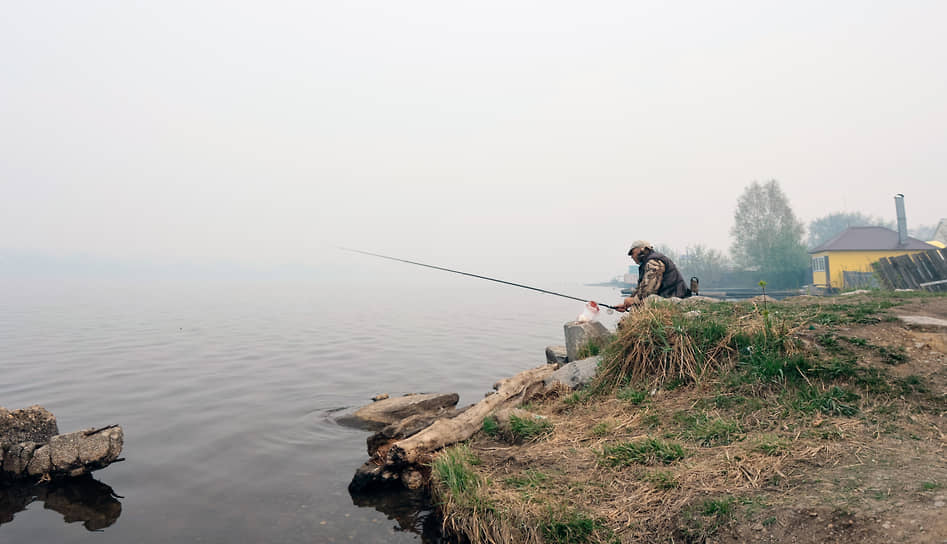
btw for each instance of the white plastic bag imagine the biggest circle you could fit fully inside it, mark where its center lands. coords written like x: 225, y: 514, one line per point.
x: 590, y: 313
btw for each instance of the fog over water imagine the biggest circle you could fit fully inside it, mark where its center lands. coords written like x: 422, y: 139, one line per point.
x: 497, y: 136
x: 176, y: 178
x: 227, y: 393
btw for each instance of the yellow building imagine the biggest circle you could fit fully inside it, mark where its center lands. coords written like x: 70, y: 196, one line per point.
x: 845, y: 261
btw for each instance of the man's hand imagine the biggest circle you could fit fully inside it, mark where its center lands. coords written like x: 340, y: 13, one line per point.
x: 627, y: 304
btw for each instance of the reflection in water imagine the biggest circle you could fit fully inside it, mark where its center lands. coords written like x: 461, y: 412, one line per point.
x: 411, y: 509
x: 82, y: 499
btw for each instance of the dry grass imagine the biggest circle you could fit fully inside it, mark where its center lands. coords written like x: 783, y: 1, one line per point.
x: 752, y: 445
x: 661, y: 343
x: 633, y: 503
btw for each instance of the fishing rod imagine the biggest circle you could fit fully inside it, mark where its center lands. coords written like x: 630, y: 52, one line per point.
x: 474, y: 276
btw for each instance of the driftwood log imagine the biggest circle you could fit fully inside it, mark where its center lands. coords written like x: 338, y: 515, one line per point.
x: 445, y: 432
x: 404, y: 460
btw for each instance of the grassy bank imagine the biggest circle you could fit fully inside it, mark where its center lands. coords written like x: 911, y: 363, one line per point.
x: 722, y: 421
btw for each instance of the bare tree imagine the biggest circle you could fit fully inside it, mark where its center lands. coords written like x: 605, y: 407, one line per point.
x: 705, y: 263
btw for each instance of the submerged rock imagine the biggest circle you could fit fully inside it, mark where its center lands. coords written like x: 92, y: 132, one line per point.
x: 370, y: 475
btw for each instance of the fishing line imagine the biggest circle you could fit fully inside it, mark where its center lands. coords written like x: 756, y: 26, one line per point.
x: 473, y: 275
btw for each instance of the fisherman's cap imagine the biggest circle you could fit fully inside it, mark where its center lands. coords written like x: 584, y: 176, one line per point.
x: 643, y: 244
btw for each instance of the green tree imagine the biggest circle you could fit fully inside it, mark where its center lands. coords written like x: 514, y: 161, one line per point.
x: 767, y: 236
x: 823, y: 229
x: 705, y: 263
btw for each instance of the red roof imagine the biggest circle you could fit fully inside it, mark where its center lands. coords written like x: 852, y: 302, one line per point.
x: 870, y: 239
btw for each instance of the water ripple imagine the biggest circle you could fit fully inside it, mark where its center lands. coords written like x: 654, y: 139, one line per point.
x: 227, y: 392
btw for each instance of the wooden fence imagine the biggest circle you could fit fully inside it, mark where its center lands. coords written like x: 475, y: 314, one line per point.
x: 926, y: 270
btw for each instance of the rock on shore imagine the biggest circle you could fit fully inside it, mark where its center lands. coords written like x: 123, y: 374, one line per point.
x: 382, y: 413
x: 31, y: 446
x: 580, y: 333
x: 575, y: 375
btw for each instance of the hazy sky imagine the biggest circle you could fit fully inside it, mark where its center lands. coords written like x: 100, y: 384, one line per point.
x: 528, y: 139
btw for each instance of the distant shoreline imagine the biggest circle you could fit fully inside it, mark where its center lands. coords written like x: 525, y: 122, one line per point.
x: 612, y: 283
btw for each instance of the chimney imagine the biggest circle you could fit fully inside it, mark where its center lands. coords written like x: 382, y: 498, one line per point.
x: 902, y: 220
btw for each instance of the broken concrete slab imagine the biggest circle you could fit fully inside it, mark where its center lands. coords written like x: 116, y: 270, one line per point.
x: 580, y: 334
x: 557, y: 355
x: 40, y: 464
x: 17, y: 457
x: 33, y: 424
x: 32, y: 446
x: 97, y: 446
x: 576, y: 374
x: 64, y: 451
x: 69, y: 454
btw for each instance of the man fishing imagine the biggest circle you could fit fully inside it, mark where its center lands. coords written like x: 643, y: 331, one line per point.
x: 657, y: 275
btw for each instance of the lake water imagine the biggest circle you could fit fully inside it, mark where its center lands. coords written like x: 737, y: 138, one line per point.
x: 226, y: 392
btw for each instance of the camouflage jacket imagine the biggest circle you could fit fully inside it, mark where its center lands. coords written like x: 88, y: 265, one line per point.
x: 651, y: 281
